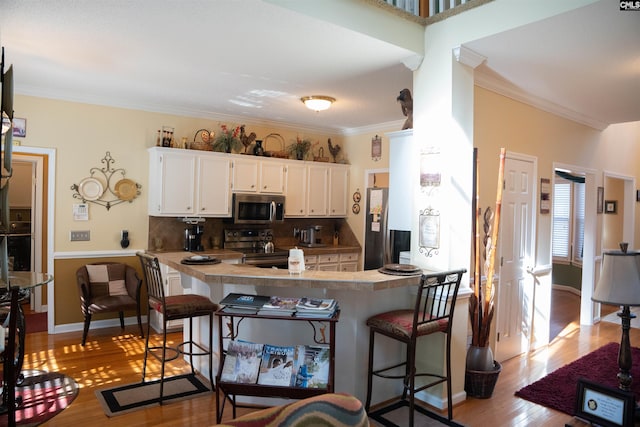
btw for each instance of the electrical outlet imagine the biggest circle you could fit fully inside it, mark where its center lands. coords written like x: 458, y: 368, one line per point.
x: 79, y: 236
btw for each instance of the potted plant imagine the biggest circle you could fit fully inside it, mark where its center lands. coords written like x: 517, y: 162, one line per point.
x: 227, y: 141
x: 481, y: 369
x: 299, y: 149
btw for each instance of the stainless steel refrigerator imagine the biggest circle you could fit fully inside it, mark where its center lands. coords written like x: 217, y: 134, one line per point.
x: 381, y: 245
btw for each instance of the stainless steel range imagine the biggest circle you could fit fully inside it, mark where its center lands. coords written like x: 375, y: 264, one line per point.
x: 257, y: 247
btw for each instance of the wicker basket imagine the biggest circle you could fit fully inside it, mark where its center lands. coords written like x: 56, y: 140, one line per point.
x: 274, y: 138
x: 206, y: 140
x: 480, y: 384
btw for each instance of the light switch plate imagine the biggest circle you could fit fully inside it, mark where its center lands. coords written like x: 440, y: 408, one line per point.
x: 79, y: 236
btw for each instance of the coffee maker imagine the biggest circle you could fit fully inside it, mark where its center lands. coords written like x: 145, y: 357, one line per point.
x: 193, y: 238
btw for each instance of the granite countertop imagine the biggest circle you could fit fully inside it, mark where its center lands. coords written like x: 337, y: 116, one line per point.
x: 243, y: 274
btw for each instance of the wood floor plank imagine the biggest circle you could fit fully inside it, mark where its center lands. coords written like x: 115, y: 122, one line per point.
x: 111, y: 358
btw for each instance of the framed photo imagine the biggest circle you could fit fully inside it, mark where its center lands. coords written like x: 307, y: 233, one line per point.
x: 429, y: 236
x: 600, y: 199
x: 605, y: 406
x: 610, y: 206
x: 19, y: 127
x: 376, y: 148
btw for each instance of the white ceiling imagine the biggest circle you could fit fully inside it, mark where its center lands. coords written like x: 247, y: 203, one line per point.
x: 253, y: 59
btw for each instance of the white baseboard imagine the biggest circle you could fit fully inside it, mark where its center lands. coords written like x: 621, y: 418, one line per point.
x: 98, y: 324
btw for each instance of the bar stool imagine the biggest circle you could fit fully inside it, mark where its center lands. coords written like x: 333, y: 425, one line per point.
x: 433, y: 312
x: 186, y: 306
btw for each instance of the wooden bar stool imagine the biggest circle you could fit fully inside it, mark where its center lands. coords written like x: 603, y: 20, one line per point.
x: 186, y: 306
x: 433, y: 312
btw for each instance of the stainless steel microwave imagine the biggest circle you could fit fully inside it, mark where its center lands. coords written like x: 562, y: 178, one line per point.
x: 257, y: 208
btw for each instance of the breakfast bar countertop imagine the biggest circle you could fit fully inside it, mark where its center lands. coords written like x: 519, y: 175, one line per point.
x: 243, y: 274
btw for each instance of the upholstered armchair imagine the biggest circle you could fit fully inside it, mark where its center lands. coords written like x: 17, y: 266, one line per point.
x: 108, y: 287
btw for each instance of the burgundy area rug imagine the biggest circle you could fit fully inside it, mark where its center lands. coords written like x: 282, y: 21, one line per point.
x: 558, y: 389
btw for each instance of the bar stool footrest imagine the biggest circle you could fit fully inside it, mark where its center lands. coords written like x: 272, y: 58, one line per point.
x: 377, y: 414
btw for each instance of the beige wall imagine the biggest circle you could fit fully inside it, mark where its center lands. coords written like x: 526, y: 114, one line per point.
x: 81, y: 134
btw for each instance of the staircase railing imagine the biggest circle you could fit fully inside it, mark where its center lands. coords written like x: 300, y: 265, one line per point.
x: 427, y: 8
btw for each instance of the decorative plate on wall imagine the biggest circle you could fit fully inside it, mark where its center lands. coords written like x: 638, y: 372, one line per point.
x: 126, y: 189
x: 90, y: 189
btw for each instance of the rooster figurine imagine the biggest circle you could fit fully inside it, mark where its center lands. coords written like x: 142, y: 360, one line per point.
x: 333, y: 149
x: 246, y: 140
x: 406, y: 103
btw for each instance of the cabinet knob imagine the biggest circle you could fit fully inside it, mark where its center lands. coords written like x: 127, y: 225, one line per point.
x: 253, y: 186
x: 188, y: 208
x: 264, y: 188
x: 203, y: 208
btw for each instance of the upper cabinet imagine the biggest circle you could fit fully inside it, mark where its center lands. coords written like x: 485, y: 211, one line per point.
x: 255, y: 175
x: 318, y: 188
x: 296, y: 190
x: 339, y: 186
x: 200, y: 183
x: 188, y: 182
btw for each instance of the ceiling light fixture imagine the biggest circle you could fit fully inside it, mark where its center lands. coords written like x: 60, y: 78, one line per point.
x: 318, y: 102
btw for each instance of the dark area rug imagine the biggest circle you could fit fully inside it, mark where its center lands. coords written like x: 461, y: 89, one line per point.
x: 558, y: 389
x: 41, y: 396
x: 131, y: 397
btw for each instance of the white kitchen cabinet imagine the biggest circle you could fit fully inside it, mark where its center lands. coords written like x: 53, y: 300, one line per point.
x: 172, y: 286
x: 214, y: 191
x: 338, y: 188
x: 172, y: 182
x: 187, y: 183
x: 272, y: 176
x: 317, y: 190
x: 349, y: 261
x: 296, y: 190
x: 255, y: 175
x: 245, y: 175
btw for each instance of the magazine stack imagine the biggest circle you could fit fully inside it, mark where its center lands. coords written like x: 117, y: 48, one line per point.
x: 300, y: 366
x: 316, y: 307
x: 243, y: 303
x: 279, y: 306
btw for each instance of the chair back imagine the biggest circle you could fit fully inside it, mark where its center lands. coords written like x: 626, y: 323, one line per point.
x: 153, y: 278
x: 436, y: 299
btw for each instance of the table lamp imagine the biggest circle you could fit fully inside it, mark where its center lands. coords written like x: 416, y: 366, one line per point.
x: 619, y: 285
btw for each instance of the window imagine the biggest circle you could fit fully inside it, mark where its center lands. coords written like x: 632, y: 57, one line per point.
x: 568, y: 219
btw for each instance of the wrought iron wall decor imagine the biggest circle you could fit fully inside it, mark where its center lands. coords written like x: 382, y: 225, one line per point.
x: 429, y: 236
x: 99, y: 187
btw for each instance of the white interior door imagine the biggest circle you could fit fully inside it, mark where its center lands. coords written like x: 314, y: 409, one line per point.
x: 514, y: 308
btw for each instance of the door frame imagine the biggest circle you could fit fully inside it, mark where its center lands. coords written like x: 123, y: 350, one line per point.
x: 48, y: 155
x: 590, y: 258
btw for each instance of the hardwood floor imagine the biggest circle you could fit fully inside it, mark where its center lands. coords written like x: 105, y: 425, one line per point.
x: 110, y: 358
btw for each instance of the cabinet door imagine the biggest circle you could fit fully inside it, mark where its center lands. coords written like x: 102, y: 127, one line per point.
x: 176, y: 178
x: 318, y: 186
x: 338, y: 187
x: 245, y: 175
x: 296, y: 190
x: 214, y: 195
x: 271, y: 177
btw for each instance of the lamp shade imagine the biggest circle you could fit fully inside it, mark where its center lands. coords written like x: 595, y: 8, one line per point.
x: 619, y: 282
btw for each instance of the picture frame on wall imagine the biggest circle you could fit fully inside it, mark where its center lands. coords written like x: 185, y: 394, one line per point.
x: 19, y: 127
x: 600, y: 200
x: 610, y: 206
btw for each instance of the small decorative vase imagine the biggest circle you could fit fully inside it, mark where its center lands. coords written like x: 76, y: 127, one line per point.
x: 258, y: 150
x: 299, y: 155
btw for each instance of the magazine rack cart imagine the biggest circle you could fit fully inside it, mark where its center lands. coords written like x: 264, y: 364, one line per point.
x: 228, y: 391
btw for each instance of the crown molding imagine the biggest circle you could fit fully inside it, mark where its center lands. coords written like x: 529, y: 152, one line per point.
x: 505, y: 88
x: 468, y: 57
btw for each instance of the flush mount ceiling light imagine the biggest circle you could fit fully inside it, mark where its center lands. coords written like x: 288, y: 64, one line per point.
x: 317, y: 102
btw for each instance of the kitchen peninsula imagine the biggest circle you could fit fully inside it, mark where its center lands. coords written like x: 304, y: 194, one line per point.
x: 360, y: 294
